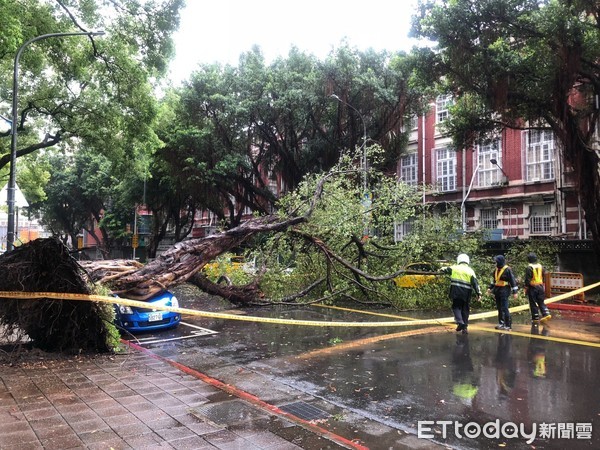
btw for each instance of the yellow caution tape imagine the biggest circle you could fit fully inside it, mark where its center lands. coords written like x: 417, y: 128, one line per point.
x: 314, y: 323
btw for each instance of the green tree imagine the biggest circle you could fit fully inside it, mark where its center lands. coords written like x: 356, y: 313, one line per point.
x: 88, y: 91
x: 231, y: 130
x: 521, y: 63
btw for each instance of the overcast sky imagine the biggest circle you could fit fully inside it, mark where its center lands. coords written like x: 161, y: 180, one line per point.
x: 220, y: 30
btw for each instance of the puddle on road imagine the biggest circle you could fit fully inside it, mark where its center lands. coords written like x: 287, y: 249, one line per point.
x: 401, y: 377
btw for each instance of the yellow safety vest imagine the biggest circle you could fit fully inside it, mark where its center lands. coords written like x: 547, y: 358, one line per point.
x: 536, y: 279
x: 497, y: 275
x: 461, y: 276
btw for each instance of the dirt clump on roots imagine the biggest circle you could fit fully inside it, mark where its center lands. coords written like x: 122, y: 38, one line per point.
x: 69, y: 326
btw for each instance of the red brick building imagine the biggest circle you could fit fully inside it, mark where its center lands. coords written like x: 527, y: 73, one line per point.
x: 515, y: 186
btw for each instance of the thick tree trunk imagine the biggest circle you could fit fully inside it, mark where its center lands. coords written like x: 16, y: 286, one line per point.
x: 184, y: 259
x: 589, y: 180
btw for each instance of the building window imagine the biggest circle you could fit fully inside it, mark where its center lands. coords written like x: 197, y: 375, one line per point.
x: 401, y: 230
x: 442, y: 105
x: 408, y: 168
x: 489, y: 218
x: 540, y: 219
x: 489, y: 174
x: 540, y: 155
x: 446, y: 169
x: 272, y: 182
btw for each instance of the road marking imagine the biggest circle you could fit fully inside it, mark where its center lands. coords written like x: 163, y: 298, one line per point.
x: 471, y: 327
x: 371, y: 340
x: 198, y: 332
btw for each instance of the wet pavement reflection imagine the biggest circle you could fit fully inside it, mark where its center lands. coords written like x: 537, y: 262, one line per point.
x: 401, y: 376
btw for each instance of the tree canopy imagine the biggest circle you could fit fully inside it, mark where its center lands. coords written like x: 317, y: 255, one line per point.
x: 83, y: 91
x: 517, y: 64
x: 236, y: 131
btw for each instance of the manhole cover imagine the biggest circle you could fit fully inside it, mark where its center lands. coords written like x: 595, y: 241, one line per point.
x: 305, y: 411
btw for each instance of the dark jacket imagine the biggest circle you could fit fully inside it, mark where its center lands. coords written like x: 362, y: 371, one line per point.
x: 503, y: 275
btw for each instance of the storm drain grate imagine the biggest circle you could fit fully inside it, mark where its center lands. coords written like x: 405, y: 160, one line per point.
x: 305, y: 411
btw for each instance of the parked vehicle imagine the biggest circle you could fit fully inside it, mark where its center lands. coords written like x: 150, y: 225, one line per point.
x: 415, y: 280
x: 135, y: 320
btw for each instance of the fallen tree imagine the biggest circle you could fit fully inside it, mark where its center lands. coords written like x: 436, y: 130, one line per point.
x: 323, y: 225
x: 45, y: 265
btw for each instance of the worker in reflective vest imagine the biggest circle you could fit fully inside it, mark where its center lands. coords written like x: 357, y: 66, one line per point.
x: 503, y: 283
x: 534, y: 288
x: 463, y: 282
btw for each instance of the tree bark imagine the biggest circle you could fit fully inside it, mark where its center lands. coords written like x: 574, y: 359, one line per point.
x: 184, y: 259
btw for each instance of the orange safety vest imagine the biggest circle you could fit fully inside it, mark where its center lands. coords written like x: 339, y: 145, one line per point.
x: 536, y: 279
x: 497, y: 274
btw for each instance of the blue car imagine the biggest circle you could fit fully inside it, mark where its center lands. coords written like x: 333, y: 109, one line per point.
x: 135, y: 320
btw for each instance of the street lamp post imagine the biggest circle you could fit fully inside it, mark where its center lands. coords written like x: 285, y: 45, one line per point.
x: 363, y: 149
x: 363, y: 146
x: 495, y: 162
x: 10, y: 194
x: 463, y: 210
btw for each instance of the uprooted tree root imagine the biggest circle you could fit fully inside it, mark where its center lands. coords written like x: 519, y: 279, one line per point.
x: 45, y: 265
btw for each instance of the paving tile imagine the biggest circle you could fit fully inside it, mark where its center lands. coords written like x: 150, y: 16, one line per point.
x: 122, y: 419
x: 113, y: 444
x: 174, y: 433
x: 41, y: 403
x: 104, y: 403
x: 51, y: 431
x: 74, y: 411
x: 131, y: 429
x: 192, y: 443
x: 81, y: 416
x: 152, y: 415
x: 130, y: 399
x: 21, y: 426
x: 26, y: 399
x: 24, y: 437
x: 100, y: 436
x: 10, y: 412
x: 144, y: 441
x: 62, y: 442
x: 164, y: 421
x: 265, y: 439
x: 90, y: 426
x: 226, y: 440
x: 25, y: 446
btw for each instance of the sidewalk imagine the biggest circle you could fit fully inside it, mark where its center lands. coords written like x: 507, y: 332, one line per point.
x: 140, y: 401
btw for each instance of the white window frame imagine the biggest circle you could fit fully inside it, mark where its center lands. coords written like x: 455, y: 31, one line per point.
x: 445, y: 174
x: 442, y: 104
x: 540, y: 219
x: 489, y: 174
x: 540, y: 155
x: 403, y: 229
x: 488, y: 218
x: 409, y: 168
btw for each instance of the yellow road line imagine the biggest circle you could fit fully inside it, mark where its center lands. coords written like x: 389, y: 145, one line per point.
x: 370, y: 313
x: 538, y: 336
x: 472, y: 327
x: 365, y: 341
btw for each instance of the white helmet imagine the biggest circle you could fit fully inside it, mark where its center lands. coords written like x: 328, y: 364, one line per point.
x: 463, y: 258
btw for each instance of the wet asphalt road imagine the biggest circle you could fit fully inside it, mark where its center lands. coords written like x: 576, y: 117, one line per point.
x: 543, y: 378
